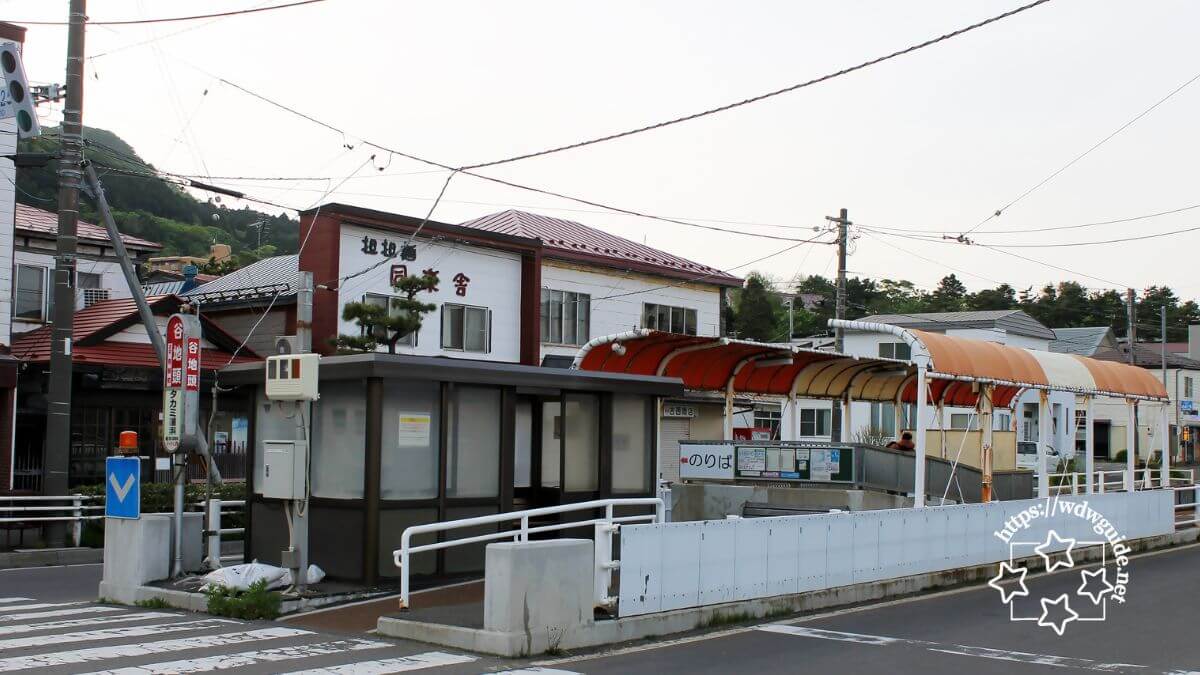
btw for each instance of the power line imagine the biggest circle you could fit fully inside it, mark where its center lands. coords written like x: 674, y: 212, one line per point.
x: 762, y: 97
x: 1056, y: 228
x: 1085, y: 153
x: 173, y: 19
x: 1068, y: 244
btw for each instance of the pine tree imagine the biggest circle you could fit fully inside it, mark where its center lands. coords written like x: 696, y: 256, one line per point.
x: 387, y: 324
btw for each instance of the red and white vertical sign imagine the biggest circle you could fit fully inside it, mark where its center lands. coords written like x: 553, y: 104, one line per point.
x: 192, y: 365
x: 175, y: 348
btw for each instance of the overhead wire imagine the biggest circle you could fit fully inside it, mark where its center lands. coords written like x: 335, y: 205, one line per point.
x: 1056, y: 228
x: 174, y: 19
x: 1085, y: 153
x: 762, y: 97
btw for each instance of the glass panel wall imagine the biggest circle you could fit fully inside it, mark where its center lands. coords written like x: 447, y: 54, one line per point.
x: 473, y: 457
x: 338, y: 450
x: 410, y: 439
x: 552, y: 428
x: 581, y: 451
x: 630, y: 444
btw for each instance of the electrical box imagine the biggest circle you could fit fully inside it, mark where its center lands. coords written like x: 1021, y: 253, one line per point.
x: 285, y: 464
x: 293, y: 377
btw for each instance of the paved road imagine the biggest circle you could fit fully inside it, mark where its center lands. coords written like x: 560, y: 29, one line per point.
x: 956, y: 632
x: 54, y: 631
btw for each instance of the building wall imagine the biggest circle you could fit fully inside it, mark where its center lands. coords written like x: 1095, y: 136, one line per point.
x: 262, y: 342
x: 495, y: 283
x: 111, y: 278
x: 8, y: 197
x: 611, y: 315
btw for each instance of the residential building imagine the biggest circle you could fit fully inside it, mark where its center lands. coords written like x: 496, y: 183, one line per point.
x: 117, y: 387
x: 594, y: 283
x: 175, y: 264
x: 256, y: 304
x: 1084, y: 341
x: 98, y: 273
x: 8, y: 198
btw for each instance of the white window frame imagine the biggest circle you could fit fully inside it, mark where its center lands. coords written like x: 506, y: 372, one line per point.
x: 583, y: 320
x: 380, y: 332
x: 960, y: 421
x: 769, y: 417
x: 43, y: 309
x: 650, y: 319
x: 893, y: 350
x: 1188, y: 388
x: 487, y: 328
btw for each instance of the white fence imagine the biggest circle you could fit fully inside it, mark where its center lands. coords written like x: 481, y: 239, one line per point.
x: 666, y: 566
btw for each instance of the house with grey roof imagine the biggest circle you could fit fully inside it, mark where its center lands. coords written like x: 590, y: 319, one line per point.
x: 1084, y: 341
x: 257, y: 301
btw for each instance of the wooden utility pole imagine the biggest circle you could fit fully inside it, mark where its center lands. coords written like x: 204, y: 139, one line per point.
x: 1131, y: 321
x: 839, y: 312
x: 57, y: 451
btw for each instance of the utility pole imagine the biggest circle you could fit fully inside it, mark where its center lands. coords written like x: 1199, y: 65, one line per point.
x: 839, y: 312
x: 1131, y: 320
x: 1163, y: 344
x: 58, y: 419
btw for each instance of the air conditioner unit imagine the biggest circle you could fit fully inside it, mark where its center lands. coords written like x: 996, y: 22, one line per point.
x: 287, y: 344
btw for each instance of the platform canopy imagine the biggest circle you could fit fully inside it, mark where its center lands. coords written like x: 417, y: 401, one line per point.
x: 956, y: 366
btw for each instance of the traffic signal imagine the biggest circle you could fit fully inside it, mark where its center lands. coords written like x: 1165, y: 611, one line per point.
x: 16, y: 100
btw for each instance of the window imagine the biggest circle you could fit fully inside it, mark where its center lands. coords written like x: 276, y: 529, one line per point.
x: 1081, y: 431
x: 86, y: 280
x: 669, y: 319
x: 566, y: 317
x: 473, y: 455
x: 381, y: 332
x: 895, y: 350
x: 1187, y: 388
x: 815, y: 421
x: 768, y: 418
x: 631, y: 444
x: 1001, y: 421
x: 969, y: 421
x: 30, y: 301
x: 466, y: 328
x: 883, y: 417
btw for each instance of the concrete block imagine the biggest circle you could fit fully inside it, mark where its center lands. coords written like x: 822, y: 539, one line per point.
x: 541, y: 590
x: 135, y: 552
x: 193, y: 541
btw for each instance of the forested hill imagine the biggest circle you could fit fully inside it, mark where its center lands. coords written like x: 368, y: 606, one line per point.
x: 155, y: 209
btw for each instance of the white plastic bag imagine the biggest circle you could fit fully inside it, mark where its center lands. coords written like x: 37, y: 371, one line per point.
x: 314, y: 576
x: 242, y: 576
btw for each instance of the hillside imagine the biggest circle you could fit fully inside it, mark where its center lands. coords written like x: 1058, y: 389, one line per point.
x: 155, y: 209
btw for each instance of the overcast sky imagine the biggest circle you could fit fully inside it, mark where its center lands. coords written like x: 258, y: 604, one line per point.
x: 937, y: 139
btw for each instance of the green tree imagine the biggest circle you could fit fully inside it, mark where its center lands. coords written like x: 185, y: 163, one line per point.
x: 758, y: 312
x: 1000, y: 297
x: 387, y: 324
x: 949, y: 296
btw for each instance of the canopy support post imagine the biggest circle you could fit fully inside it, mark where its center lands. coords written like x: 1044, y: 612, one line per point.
x: 847, y: 427
x: 1130, y: 444
x: 1089, y: 448
x: 1043, y: 453
x: 919, y: 450
x: 1166, y: 447
x: 729, y: 410
x: 985, y: 441
x: 787, y: 419
x: 941, y: 417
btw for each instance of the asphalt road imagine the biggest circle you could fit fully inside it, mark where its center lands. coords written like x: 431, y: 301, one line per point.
x: 47, y: 626
x: 970, y: 630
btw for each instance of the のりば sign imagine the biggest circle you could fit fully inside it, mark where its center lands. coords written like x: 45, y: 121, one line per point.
x: 706, y: 460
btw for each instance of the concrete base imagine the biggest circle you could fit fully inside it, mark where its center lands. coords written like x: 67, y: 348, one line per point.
x: 196, y: 601
x: 139, y: 551
x: 678, y: 621
x: 714, y: 501
x: 538, y: 592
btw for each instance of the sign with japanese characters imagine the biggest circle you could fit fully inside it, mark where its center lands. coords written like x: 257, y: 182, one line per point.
x: 706, y: 460
x: 181, y: 380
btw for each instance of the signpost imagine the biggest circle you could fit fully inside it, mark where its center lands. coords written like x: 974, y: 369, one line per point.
x: 123, y: 487
x: 181, y: 409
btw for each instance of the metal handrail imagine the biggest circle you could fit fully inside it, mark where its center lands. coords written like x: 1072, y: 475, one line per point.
x: 1194, y: 505
x: 1145, y: 478
x: 401, y: 555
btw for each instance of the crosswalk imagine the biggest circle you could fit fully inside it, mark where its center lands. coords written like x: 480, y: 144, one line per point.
x: 78, y: 637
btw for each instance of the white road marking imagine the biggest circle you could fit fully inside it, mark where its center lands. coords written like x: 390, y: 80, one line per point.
x: 96, y: 609
x: 5, y: 601
x: 962, y: 650
x: 537, y: 671
x: 144, y: 649
x: 19, y: 628
x: 114, y: 633
x: 12, y: 609
x: 49, y: 567
x: 242, y: 659
x: 400, y: 664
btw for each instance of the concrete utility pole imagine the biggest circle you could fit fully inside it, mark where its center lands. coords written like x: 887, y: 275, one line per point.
x: 58, y: 418
x: 839, y: 312
x: 304, y: 315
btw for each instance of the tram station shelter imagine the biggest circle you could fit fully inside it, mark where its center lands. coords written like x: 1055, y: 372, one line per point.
x: 943, y: 370
x: 402, y: 440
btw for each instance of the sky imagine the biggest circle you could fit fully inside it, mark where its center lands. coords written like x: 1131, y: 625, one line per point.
x: 935, y: 140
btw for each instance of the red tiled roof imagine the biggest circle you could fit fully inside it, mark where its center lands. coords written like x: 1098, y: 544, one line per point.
x: 40, y: 221
x: 576, y: 241
x: 34, y: 347
x: 106, y: 312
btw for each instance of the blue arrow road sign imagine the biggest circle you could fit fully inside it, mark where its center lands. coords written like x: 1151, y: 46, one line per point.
x: 123, y: 487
